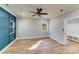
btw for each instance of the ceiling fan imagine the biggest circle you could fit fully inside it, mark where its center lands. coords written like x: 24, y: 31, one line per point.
x: 38, y: 12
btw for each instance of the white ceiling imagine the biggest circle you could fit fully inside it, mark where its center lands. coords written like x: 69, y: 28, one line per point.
x: 52, y: 9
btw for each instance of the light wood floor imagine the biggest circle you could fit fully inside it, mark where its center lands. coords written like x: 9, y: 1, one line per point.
x: 42, y: 46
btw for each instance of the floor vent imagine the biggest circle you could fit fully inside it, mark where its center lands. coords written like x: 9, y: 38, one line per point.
x: 76, y: 39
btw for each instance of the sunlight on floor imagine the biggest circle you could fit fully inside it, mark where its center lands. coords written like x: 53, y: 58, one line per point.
x: 35, y: 45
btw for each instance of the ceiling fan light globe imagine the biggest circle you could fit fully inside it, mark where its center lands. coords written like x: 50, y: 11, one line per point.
x: 45, y: 15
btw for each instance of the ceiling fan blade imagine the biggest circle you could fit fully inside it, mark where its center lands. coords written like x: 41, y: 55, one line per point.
x: 32, y: 11
x: 34, y: 15
x: 43, y: 13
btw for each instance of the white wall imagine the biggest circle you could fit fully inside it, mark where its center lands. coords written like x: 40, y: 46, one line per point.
x: 73, y: 29
x: 56, y: 26
x: 72, y: 19
x: 27, y: 28
x: 58, y: 23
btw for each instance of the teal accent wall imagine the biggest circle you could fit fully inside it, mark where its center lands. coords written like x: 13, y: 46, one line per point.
x: 5, y: 36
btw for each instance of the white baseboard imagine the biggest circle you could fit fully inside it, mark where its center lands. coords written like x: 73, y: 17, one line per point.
x: 30, y: 37
x: 7, y: 46
x: 63, y: 43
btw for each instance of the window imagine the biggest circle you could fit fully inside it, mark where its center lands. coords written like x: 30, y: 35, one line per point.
x: 12, y: 25
x: 45, y: 27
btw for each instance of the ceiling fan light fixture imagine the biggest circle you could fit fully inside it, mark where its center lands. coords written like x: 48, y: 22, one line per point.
x: 45, y: 15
